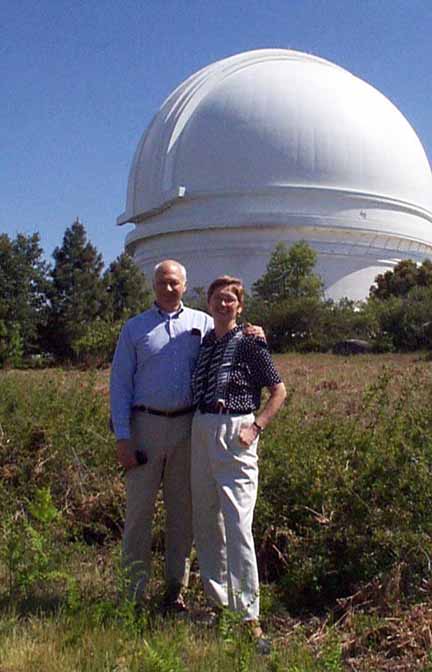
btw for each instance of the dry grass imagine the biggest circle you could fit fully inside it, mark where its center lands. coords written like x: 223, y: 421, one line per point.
x: 338, y: 382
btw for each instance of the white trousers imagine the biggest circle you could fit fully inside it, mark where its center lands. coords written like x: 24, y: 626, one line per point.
x: 224, y: 480
x: 166, y: 443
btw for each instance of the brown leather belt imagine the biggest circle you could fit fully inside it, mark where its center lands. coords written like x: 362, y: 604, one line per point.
x: 165, y: 414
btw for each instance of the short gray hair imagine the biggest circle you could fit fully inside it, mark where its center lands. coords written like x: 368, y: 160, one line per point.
x: 174, y: 262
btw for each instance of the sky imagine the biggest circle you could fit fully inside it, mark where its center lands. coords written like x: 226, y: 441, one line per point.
x: 81, y: 81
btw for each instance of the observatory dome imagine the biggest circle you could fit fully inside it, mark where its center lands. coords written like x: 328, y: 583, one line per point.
x: 274, y: 145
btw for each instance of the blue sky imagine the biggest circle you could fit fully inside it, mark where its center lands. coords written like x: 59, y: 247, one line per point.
x: 80, y: 81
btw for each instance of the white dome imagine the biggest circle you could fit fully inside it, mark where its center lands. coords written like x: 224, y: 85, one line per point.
x: 281, y: 140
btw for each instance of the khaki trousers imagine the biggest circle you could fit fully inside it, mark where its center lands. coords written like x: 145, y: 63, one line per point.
x: 224, y: 480
x: 166, y: 443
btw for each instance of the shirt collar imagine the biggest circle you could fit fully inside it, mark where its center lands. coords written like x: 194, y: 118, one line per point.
x: 164, y: 314
x: 226, y: 337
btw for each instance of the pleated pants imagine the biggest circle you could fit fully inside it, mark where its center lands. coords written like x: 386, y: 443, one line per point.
x: 224, y: 480
x: 166, y: 444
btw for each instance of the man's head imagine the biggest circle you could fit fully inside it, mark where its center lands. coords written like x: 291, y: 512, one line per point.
x: 169, y: 284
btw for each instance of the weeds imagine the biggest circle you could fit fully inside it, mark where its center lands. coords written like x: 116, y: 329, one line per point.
x: 343, y: 525
x: 30, y: 550
x: 344, y: 500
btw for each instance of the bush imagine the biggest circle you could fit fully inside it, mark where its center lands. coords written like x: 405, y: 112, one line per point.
x: 11, y: 345
x: 96, y: 346
x: 346, y: 499
x: 404, y: 321
x: 32, y: 549
x: 310, y: 324
x: 54, y: 433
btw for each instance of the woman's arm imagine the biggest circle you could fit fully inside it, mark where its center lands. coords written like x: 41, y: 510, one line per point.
x: 249, y: 433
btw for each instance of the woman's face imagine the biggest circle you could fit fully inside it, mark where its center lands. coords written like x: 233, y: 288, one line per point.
x: 224, y: 305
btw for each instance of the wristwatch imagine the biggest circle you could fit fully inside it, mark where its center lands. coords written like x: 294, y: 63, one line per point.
x: 258, y: 427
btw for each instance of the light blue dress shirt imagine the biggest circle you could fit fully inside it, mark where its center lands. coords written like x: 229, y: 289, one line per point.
x: 154, y: 361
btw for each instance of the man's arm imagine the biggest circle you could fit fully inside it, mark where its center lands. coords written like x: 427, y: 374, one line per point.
x: 121, y: 391
x: 254, y: 330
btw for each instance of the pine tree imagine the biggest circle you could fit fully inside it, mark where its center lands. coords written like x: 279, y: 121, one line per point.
x: 77, y: 290
x: 24, y: 286
x: 127, y: 290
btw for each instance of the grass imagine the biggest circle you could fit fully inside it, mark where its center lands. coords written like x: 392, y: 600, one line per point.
x: 343, y: 528
x: 84, y: 642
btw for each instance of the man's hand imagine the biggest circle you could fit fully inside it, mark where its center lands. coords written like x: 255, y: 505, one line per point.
x: 254, y: 330
x: 125, y: 454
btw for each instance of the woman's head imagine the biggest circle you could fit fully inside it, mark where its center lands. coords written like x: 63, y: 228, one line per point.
x: 225, y: 297
x: 227, y: 281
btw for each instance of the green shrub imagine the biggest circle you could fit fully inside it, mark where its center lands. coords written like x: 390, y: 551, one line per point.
x: 31, y: 548
x: 345, y: 500
x: 96, y: 346
x: 11, y: 344
x: 55, y: 434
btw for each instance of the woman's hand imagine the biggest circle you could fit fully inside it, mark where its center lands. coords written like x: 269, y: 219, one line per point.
x: 248, y: 434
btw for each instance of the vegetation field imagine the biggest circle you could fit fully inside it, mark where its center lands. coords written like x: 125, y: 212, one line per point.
x: 343, y: 529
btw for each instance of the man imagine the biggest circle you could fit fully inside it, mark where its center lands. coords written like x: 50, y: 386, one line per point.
x: 151, y: 410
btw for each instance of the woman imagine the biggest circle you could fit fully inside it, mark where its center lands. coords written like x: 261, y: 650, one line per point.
x: 231, y: 371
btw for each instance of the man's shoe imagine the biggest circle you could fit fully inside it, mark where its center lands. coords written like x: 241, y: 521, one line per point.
x: 263, y: 644
x: 208, y: 617
x: 174, y: 607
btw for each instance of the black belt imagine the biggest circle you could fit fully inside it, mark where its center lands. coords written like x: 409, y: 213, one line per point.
x: 165, y: 414
x: 219, y: 410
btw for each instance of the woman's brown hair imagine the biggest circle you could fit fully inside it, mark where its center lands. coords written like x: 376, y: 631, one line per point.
x: 235, y: 284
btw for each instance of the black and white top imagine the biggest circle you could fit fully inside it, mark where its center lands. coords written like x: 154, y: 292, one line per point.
x: 232, y: 370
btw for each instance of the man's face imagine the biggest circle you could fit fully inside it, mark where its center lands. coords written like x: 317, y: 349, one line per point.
x: 169, y: 286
